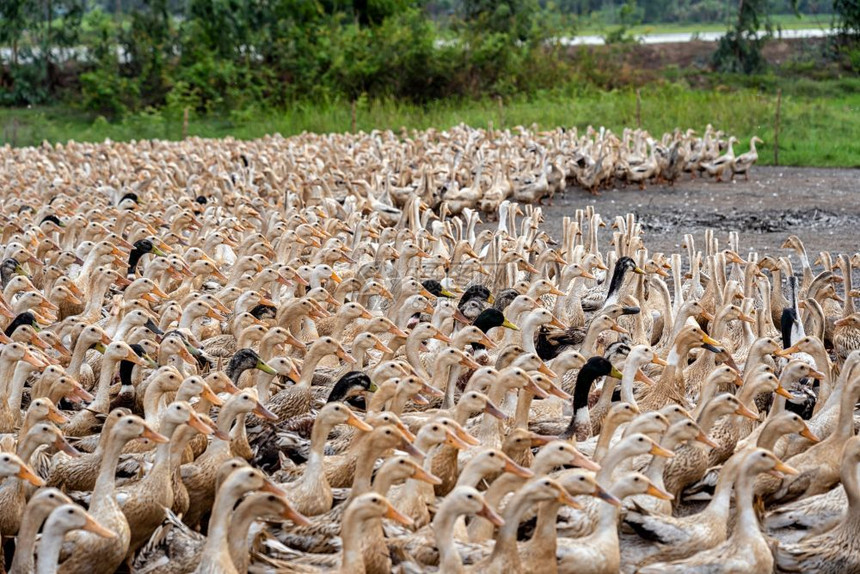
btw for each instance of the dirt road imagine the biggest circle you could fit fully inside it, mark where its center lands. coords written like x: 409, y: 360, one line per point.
x: 821, y: 206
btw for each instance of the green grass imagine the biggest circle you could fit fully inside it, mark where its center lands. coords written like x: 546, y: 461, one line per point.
x: 819, y: 121
x: 784, y: 21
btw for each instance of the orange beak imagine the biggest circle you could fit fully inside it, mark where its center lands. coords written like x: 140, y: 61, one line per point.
x: 356, y: 422
x: 25, y: 473
x: 153, y: 436
x: 262, y: 411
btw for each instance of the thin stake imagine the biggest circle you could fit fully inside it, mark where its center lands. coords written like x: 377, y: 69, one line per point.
x: 638, y: 109
x: 501, y: 112
x: 776, y: 127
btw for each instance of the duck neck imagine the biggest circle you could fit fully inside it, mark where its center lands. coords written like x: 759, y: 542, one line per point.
x: 160, y: 472
x: 312, y: 359
x: 353, y: 525
x: 413, y: 355
x: 314, y: 468
x: 450, y: 386
x: 627, y: 379
x: 443, y: 527
x: 845, y: 424
x: 747, y: 527
x: 101, y: 404
x: 217, y: 543
x: 505, y: 549
x: 529, y: 329
x: 102, y: 495
x: 31, y: 522
x: 49, y: 550
x: 580, y: 423
x: 16, y: 390
x: 524, y: 405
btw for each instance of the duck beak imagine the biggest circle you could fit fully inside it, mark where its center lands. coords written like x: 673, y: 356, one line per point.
x: 533, y: 388
x: 55, y: 416
x: 787, y: 352
x: 397, y: 516
x: 186, y: 356
x: 605, y: 496
x: 557, y: 391
x: 808, y: 434
x: 459, y: 316
x: 347, y: 358
x: 547, y: 371
x: 491, y: 515
x: 336, y: 278
x: 556, y: 291
x: 353, y: 421
x: 656, y: 360
x: 33, y: 360
x: 784, y: 468
x: 494, y: 411
x: 487, y: 342
x: 638, y: 271
x: 515, y: 469
x: 619, y: 329
x: 659, y: 493
x: 269, y: 486
x: 411, y: 449
x: 445, y: 293
x: 643, y: 378
x: 419, y: 473
x: 78, y: 394
x: 616, y: 374
x: 25, y: 473
x: 93, y: 526
x: 153, y: 436
x: 746, y: 318
x: 451, y: 439
x: 213, y: 314
x: 745, y: 412
x: 210, y: 395
x: 132, y: 357
x: 380, y: 346
x: 61, y: 443
x: 263, y: 412
x: 783, y: 392
x: 197, y: 424
x: 658, y: 450
x: 261, y: 365
x: 541, y: 439
x: 507, y: 324
x: 440, y: 336
x: 704, y: 439
x: 397, y: 331
x: 565, y: 498
x: 291, y: 513
x: 156, y: 251
x: 710, y: 341
x: 818, y: 375
x: 469, y: 363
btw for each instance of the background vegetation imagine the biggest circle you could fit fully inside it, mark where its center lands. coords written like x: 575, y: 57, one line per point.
x: 125, y: 69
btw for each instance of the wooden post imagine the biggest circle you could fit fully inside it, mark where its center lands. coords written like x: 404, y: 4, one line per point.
x: 776, y: 128
x: 353, y: 116
x: 638, y: 108
x: 501, y: 112
x: 185, y: 123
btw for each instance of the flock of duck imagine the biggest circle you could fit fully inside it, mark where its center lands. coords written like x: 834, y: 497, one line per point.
x: 235, y: 368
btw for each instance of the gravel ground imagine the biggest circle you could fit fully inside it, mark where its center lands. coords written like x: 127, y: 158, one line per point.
x: 821, y: 206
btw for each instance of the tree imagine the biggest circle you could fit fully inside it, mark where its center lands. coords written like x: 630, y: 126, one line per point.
x: 740, y: 49
x: 847, y: 14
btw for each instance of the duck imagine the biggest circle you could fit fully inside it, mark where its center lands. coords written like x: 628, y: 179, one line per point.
x: 833, y: 549
x: 94, y: 553
x: 747, y: 549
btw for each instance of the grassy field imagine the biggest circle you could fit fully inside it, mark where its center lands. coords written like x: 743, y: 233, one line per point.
x: 783, y: 21
x: 819, y: 124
